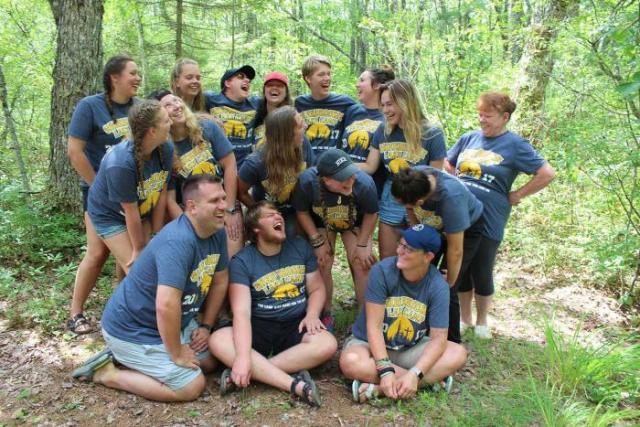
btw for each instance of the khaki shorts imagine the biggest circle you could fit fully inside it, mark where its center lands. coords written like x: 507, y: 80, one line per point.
x: 405, y: 358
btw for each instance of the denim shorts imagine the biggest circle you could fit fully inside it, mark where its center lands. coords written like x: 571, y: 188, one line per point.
x: 154, y: 361
x: 391, y: 212
x: 405, y: 358
x: 106, y: 230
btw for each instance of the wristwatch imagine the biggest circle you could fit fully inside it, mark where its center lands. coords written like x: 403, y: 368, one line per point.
x: 417, y: 372
x: 232, y: 210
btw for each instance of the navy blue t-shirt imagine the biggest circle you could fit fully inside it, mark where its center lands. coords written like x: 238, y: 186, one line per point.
x: 359, y: 126
x: 238, y: 119
x: 394, y: 150
x: 117, y: 182
x: 488, y: 166
x: 175, y: 257
x: 201, y: 158
x: 307, y: 198
x: 278, y: 283
x: 410, y: 308
x: 452, y: 207
x: 325, y: 119
x: 92, y: 123
x: 254, y: 173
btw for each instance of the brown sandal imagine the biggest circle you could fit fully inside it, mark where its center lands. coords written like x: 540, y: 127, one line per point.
x: 80, y: 325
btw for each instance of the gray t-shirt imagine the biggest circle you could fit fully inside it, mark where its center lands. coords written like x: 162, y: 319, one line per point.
x: 410, y: 308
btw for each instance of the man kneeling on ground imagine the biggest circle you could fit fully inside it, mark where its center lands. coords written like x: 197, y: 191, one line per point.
x: 149, y: 323
x: 407, y: 298
x: 276, y: 297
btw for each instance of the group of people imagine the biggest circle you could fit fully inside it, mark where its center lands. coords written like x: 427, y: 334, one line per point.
x: 222, y: 212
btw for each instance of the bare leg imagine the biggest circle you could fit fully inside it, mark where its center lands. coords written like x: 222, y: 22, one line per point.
x: 325, y: 270
x: 388, y: 237
x: 483, y: 303
x: 465, y: 307
x: 120, y: 247
x: 89, y: 268
x: 453, y: 358
x: 359, y: 273
x: 137, y: 383
x: 313, y: 351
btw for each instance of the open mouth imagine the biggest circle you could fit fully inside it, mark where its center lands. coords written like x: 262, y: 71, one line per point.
x: 245, y: 87
x: 278, y: 226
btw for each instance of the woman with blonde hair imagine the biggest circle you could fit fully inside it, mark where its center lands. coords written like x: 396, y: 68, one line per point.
x: 405, y: 139
x: 201, y: 147
x: 274, y: 168
x: 186, y: 83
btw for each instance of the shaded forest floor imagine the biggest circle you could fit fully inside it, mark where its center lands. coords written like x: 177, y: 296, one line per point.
x: 493, y: 389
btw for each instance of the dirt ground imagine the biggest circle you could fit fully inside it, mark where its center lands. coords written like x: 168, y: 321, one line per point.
x: 36, y: 387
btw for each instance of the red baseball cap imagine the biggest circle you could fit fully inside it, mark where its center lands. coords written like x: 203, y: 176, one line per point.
x: 276, y: 75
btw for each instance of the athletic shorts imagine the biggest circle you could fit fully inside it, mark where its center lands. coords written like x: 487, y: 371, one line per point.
x: 154, y: 361
x: 270, y: 337
x: 405, y: 358
x: 391, y: 212
x: 85, y: 197
x: 478, y: 261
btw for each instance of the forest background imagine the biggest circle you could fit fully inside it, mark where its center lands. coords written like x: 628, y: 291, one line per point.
x: 572, y: 66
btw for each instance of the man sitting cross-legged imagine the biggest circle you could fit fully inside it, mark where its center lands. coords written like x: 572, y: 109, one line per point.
x: 149, y: 322
x: 407, y: 298
x: 276, y: 296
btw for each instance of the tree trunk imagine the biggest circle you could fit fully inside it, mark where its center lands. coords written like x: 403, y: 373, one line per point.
x: 536, y: 67
x: 142, y: 56
x: 11, y: 128
x: 76, y: 74
x: 179, y: 12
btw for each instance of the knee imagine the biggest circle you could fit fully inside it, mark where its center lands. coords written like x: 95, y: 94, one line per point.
x: 220, y: 340
x: 96, y: 255
x: 349, y: 363
x: 329, y: 346
x: 459, y: 357
x: 193, y: 390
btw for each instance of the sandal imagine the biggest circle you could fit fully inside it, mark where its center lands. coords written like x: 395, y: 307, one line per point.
x: 370, y: 393
x: 226, y: 384
x: 445, y: 385
x: 92, y: 364
x: 310, y: 391
x: 80, y: 325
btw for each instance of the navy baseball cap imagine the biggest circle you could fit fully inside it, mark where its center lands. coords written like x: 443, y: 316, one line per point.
x: 336, y: 164
x: 247, y: 70
x: 424, y: 237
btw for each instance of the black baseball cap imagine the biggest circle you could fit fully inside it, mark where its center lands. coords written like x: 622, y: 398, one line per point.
x: 336, y: 164
x: 247, y: 70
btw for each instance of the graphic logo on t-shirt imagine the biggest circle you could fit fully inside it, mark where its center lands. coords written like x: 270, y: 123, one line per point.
x: 359, y: 132
x: 281, y: 283
x: 337, y: 216
x: 236, y: 123
x: 281, y: 194
x: 400, y: 313
x: 321, y: 122
x: 399, y: 157
x: 428, y: 217
x: 149, y: 194
x: 258, y: 134
x: 203, y: 274
x: 471, y: 160
x: 198, y: 161
x: 117, y: 129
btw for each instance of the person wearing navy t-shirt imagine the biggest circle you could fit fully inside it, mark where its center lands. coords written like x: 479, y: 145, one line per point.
x: 399, y: 339
x: 149, y: 323
x: 488, y: 162
x: 335, y: 197
x: 433, y: 197
x: 236, y: 109
x: 275, y: 94
x: 405, y: 139
x: 272, y: 171
x: 276, y: 295
x: 362, y: 120
x: 201, y: 147
x: 127, y: 201
x: 323, y: 111
x: 98, y: 122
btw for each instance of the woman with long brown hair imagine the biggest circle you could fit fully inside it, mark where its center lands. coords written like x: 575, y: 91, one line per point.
x: 274, y: 168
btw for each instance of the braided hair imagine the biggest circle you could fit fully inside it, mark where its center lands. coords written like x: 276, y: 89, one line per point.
x: 115, y: 65
x: 142, y: 117
x: 351, y: 215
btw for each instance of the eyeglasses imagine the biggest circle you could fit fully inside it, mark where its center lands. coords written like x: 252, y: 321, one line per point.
x: 407, y: 248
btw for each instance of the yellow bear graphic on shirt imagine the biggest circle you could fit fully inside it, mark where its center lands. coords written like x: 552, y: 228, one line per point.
x: 359, y: 138
x: 318, y: 130
x: 235, y: 129
x: 396, y: 165
x: 401, y: 326
x: 286, y: 291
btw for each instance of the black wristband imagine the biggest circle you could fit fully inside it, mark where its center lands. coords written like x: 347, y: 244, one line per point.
x: 386, y: 369
x: 207, y: 326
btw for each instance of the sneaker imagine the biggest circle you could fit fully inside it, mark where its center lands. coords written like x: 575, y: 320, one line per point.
x: 464, y: 326
x: 328, y: 322
x: 482, y: 332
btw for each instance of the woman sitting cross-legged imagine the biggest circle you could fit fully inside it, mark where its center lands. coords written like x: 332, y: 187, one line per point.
x: 390, y: 352
x: 276, y: 295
